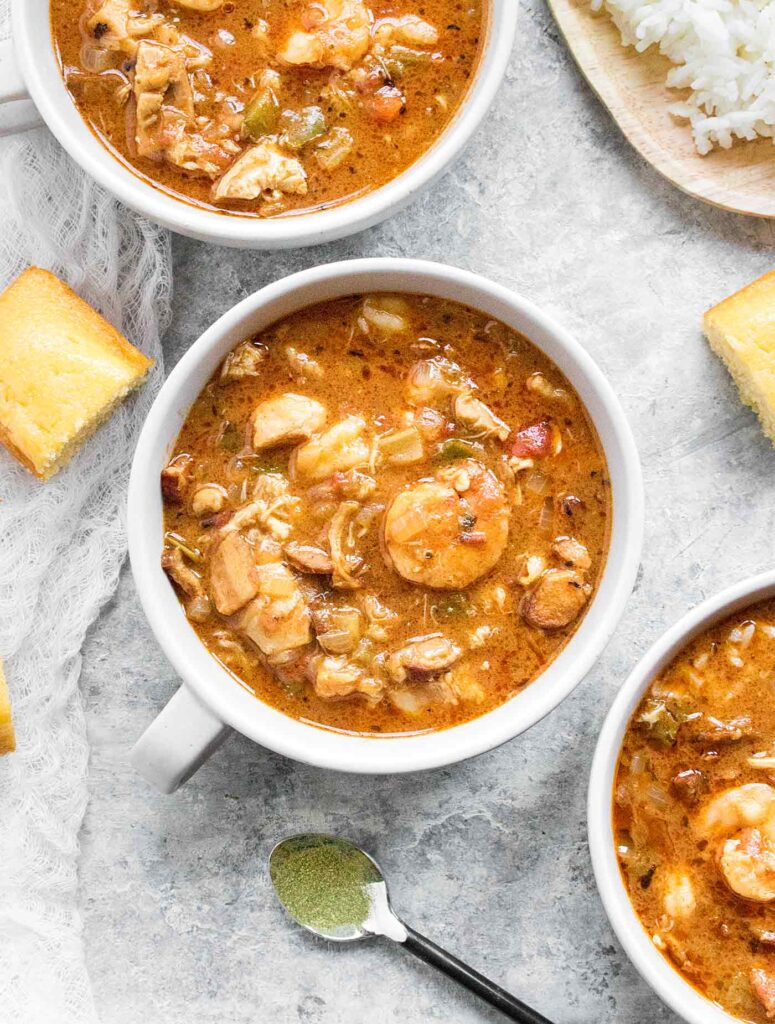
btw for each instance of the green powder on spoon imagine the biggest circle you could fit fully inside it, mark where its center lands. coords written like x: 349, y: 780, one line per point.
x: 323, y: 885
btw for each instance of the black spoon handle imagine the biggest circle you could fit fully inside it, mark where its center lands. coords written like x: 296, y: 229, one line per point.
x: 471, y: 979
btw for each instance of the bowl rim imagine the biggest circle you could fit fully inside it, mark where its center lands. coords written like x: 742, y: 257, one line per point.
x: 653, y: 967
x: 50, y: 95
x: 326, y: 748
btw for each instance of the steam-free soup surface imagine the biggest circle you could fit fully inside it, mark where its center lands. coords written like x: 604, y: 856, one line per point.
x: 386, y: 514
x: 268, y: 107
x: 695, y: 813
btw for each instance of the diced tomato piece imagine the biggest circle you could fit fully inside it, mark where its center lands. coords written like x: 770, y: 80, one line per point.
x: 533, y: 441
x: 386, y: 104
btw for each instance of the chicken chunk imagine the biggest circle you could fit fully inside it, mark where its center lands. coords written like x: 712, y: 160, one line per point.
x: 190, y: 150
x: 479, y: 418
x: 340, y: 448
x: 200, y: 5
x: 262, y: 167
x: 119, y: 28
x: 233, y: 574
x: 160, y: 79
x: 244, y: 361
x: 336, y: 677
x: 422, y: 659
x: 285, y: 419
x: 407, y: 30
x: 432, y: 381
x: 278, y: 619
x: 557, y: 600
x: 340, y: 37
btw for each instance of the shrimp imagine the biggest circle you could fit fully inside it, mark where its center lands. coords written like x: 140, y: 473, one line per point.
x: 447, y: 532
x: 743, y: 819
x: 338, y: 38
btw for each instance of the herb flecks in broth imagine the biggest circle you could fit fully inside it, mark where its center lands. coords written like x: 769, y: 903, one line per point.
x: 386, y: 514
x: 264, y: 107
x: 694, y: 812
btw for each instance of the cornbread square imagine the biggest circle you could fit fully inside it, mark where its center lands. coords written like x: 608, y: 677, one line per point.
x: 741, y: 330
x: 63, y: 369
x: 7, y: 737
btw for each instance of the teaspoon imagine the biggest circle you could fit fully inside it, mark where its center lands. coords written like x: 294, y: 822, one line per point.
x: 337, y: 891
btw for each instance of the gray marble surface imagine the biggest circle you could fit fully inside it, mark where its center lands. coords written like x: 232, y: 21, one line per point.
x: 489, y: 857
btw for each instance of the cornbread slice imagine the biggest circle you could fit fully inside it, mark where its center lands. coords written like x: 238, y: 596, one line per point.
x: 741, y: 330
x: 63, y: 369
x: 7, y: 737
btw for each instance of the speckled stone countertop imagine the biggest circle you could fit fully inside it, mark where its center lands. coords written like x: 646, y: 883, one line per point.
x: 488, y: 857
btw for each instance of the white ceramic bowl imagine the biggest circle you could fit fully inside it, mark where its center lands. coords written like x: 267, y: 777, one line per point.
x: 210, y: 700
x: 35, y: 70
x: 679, y: 995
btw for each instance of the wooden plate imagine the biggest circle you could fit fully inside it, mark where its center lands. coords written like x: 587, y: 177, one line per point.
x: 632, y: 86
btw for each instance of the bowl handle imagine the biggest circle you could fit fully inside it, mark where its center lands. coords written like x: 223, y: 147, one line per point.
x: 17, y: 111
x: 178, y: 742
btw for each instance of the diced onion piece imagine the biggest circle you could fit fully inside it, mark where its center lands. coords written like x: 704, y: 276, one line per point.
x: 536, y: 482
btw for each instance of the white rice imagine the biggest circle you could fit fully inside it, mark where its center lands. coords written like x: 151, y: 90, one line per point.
x: 724, y: 51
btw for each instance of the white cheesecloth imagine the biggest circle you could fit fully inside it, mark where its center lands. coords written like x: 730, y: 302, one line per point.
x: 61, y: 547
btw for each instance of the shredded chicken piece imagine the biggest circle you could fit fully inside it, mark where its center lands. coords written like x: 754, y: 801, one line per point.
x: 262, y: 167
x: 244, y: 361
x: 344, y: 562
x: 378, y: 615
x: 339, y: 40
x: 479, y: 418
x: 285, y: 419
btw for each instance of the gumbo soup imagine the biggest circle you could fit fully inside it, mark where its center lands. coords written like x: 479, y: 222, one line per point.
x: 694, y: 812
x: 268, y: 107
x: 386, y: 514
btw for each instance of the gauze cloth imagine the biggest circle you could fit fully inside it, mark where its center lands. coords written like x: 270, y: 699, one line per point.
x: 62, y: 544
